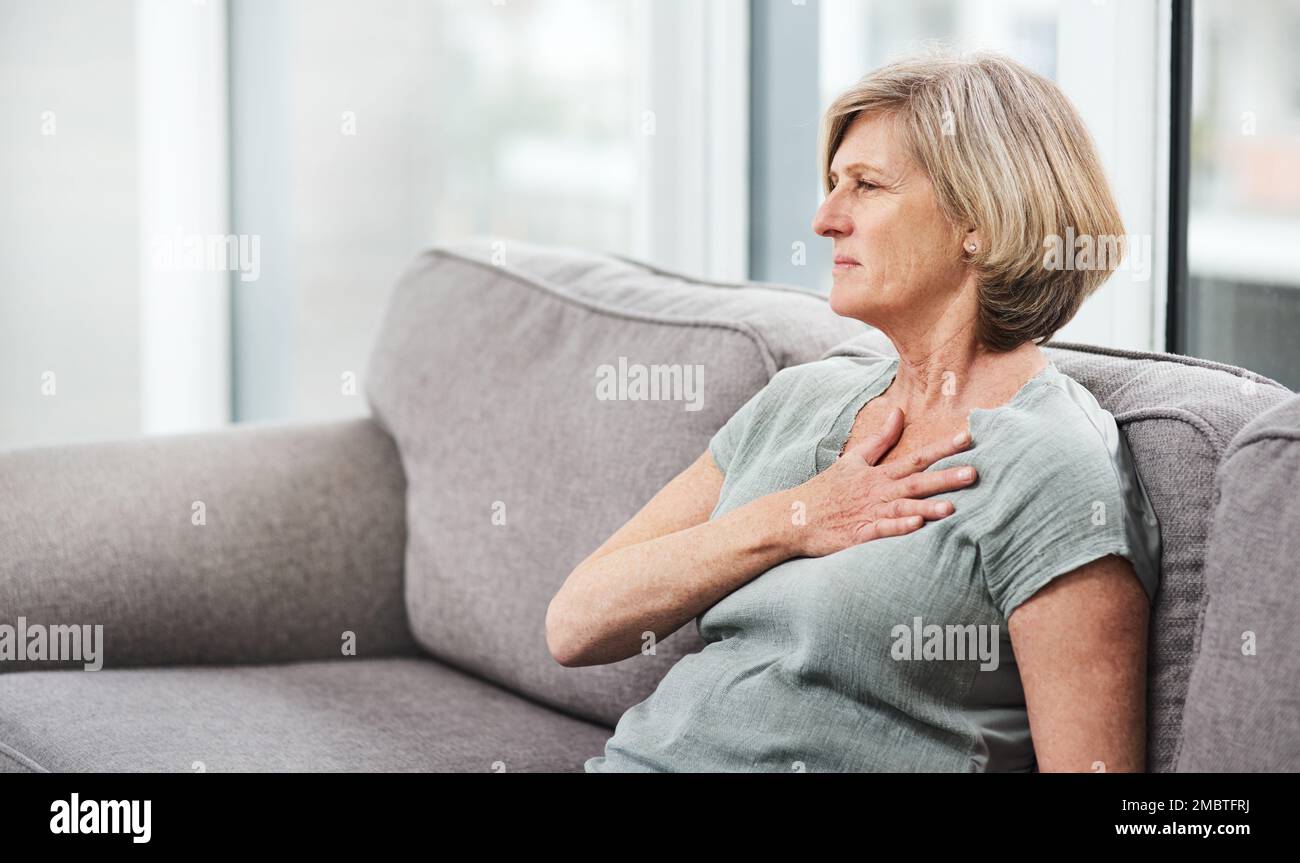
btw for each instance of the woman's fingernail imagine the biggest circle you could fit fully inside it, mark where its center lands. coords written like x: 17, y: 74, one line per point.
x: 961, y: 438
x: 966, y: 473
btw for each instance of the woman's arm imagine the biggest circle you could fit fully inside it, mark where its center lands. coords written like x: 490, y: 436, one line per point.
x: 670, y: 562
x: 1081, y: 646
x: 662, y: 568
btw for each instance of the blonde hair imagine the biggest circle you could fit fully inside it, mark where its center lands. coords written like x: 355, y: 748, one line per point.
x: 1008, y: 154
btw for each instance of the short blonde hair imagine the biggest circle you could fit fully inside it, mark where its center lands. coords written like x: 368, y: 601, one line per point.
x: 1007, y: 153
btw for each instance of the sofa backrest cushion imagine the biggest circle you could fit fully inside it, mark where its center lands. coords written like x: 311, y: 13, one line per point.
x: 486, y: 373
x: 1178, y: 415
x: 1243, y: 703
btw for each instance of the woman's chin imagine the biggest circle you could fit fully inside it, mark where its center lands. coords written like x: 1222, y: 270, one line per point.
x: 846, y: 299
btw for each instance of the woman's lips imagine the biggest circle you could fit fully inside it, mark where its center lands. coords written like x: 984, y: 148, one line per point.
x: 843, y: 262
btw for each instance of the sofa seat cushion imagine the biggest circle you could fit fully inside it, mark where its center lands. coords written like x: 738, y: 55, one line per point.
x: 1178, y: 415
x: 383, y: 715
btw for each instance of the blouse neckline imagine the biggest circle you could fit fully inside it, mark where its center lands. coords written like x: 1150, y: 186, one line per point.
x: 832, y: 442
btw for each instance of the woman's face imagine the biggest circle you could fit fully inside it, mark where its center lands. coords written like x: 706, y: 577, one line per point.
x: 898, y: 260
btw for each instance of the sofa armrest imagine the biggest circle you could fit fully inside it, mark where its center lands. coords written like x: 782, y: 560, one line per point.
x: 1241, y: 715
x: 257, y: 543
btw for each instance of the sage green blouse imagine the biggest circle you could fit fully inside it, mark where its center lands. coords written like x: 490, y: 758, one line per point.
x: 891, y: 655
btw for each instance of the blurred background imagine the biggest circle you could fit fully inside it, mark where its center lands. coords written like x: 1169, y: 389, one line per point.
x: 333, y: 140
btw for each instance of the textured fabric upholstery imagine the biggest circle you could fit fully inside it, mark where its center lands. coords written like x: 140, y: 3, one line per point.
x: 1243, y: 703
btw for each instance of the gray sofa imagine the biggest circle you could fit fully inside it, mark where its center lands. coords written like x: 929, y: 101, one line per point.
x: 370, y: 594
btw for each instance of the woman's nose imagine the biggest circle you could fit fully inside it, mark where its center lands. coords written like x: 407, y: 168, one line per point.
x: 830, y: 221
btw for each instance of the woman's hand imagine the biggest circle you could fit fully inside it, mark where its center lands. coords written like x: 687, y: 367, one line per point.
x: 853, y: 501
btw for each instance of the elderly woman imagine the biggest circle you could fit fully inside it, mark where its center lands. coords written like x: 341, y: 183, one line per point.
x: 852, y: 620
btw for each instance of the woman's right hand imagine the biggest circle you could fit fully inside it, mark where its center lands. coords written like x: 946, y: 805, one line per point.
x: 854, y: 501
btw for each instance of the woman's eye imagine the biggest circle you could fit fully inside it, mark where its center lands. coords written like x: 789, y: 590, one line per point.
x: 867, y: 185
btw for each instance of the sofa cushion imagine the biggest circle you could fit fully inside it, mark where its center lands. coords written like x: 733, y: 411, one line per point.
x: 1178, y: 415
x: 381, y: 715
x: 1243, y: 703
x: 487, y: 372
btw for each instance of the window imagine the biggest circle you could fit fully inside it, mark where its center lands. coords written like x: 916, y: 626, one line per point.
x: 327, y: 142
x: 1243, y: 221
x: 1103, y: 56
x: 363, y: 133
x: 366, y: 132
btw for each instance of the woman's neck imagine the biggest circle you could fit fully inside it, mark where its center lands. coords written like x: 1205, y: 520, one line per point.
x: 950, y: 379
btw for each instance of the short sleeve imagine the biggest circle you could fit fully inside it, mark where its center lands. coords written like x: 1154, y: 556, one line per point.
x: 728, y: 439
x: 1069, y: 498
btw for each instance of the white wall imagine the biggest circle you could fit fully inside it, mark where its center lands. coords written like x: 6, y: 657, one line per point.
x: 69, y: 303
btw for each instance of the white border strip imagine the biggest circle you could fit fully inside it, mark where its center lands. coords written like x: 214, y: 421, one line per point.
x: 184, y: 191
x: 692, y: 73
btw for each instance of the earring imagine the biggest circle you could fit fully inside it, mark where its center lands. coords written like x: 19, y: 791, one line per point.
x: 971, y: 247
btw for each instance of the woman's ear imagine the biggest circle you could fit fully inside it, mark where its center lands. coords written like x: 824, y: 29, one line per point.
x: 972, y: 242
